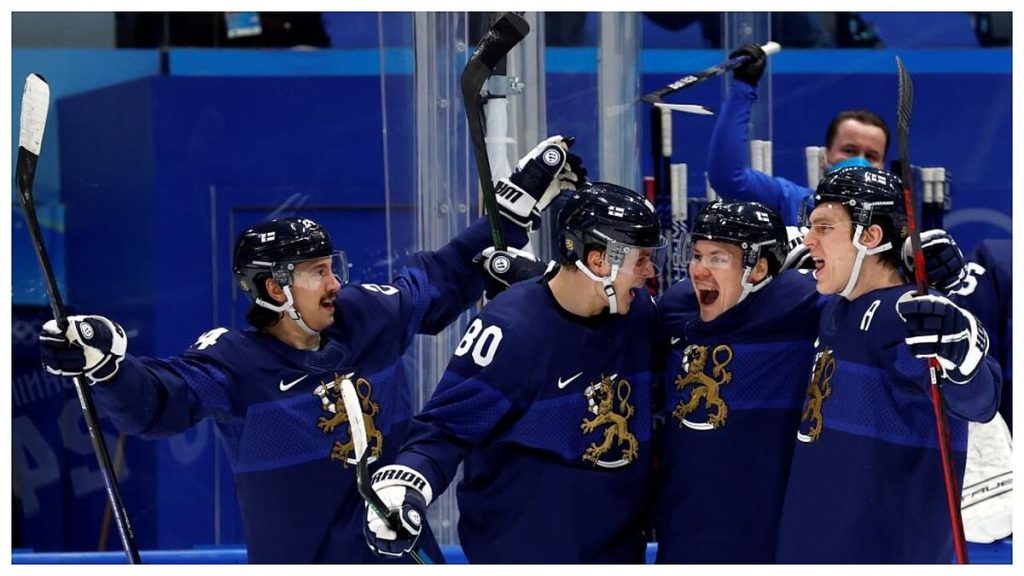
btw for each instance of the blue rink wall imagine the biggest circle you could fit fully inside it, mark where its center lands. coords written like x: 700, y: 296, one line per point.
x: 146, y: 179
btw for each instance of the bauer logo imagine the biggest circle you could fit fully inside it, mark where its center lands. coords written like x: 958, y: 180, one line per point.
x: 552, y: 156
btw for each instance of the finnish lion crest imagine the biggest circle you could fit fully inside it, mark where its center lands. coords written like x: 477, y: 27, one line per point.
x: 818, y: 390
x: 704, y: 387
x: 330, y: 397
x: 601, y: 399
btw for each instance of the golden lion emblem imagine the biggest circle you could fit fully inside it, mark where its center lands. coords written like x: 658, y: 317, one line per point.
x: 695, y: 359
x: 819, y: 389
x: 330, y: 396
x: 601, y: 403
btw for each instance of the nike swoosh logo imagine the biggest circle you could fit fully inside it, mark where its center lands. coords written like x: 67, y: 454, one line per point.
x: 286, y: 387
x: 676, y: 341
x: 564, y: 383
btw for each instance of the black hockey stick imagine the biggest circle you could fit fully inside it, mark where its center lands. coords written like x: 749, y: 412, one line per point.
x: 357, y: 427
x: 503, y: 35
x: 904, y: 105
x: 716, y: 70
x: 35, y: 104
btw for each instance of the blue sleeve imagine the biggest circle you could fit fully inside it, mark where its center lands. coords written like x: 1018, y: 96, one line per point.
x: 155, y: 398
x: 729, y: 169
x: 469, y: 404
x: 989, y: 296
x: 446, y: 282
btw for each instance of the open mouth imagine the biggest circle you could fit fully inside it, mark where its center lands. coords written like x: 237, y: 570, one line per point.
x: 327, y: 305
x: 707, y: 296
x: 819, y: 264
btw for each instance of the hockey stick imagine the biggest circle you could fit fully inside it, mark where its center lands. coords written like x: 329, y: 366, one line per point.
x: 503, y: 35
x: 905, y: 102
x: 35, y: 104
x: 716, y: 70
x: 357, y: 427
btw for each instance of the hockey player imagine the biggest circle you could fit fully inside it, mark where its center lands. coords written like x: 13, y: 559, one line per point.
x: 866, y: 481
x: 547, y: 403
x: 273, y: 390
x: 850, y: 134
x: 741, y: 332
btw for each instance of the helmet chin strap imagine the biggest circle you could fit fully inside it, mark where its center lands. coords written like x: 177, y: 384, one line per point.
x: 606, y: 284
x: 289, y: 307
x: 749, y: 288
x: 862, y: 251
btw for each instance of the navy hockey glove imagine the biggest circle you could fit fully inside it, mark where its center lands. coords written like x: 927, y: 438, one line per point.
x: 92, y: 346
x: 506, y: 267
x: 944, y: 263
x: 541, y: 175
x: 937, y: 328
x: 751, y: 70
x: 798, y: 256
x: 405, y: 490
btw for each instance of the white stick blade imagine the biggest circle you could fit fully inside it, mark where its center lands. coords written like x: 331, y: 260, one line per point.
x: 35, y: 103
x: 355, y: 416
x: 689, y: 108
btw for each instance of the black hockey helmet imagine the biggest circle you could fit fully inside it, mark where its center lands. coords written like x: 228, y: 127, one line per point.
x: 869, y: 194
x: 601, y: 214
x: 754, y: 227
x: 272, y: 249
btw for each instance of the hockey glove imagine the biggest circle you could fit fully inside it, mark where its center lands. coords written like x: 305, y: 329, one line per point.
x: 937, y: 328
x: 91, y: 345
x: 944, y: 263
x: 798, y: 256
x: 506, y: 267
x: 751, y: 70
x: 541, y: 175
x: 405, y: 490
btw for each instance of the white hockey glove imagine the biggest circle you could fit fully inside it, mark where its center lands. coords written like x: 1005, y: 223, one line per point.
x: 407, y: 491
x: 797, y: 254
x: 944, y: 263
x: 541, y: 175
x: 91, y: 345
x: 937, y: 328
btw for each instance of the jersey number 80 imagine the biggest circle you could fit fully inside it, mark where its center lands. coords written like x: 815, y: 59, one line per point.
x: 482, y: 341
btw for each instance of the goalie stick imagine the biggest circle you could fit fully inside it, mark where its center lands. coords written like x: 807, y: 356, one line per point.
x: 35, y: 104
x: 357, y: 427
x: 503, y: 35
x: 716, y: 70
x: 904, y: 105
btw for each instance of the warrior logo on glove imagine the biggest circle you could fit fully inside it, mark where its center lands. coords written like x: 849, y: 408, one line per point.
x: 539, y: 177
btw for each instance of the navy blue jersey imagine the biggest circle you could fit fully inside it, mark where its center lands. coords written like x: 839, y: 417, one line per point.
x: 988, y: 294
x: 551, y: 415
x: 866, y: 483
x: 279, y: 409
x: 729, y: 169
x: 734, y: 388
